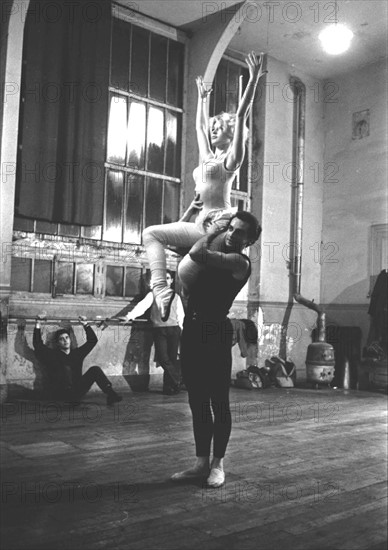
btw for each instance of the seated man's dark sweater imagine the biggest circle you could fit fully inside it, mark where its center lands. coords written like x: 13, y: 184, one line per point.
x: 65, y: 366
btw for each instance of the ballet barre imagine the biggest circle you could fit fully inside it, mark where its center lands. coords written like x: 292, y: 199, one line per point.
x: 100, y: 322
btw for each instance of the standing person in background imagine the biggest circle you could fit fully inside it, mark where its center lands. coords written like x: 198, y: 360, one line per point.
x: 166, y: 335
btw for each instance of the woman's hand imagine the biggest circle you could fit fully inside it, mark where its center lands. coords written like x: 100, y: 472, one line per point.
x: 196, y: 205
x: 255, y: 66
x: 203, y: 90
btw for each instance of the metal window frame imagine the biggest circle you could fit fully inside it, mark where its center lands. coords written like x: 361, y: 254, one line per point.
x: 135, y: 19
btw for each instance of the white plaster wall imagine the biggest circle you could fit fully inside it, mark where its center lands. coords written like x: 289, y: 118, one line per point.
x: 276, y: 217
x: 359, y: 199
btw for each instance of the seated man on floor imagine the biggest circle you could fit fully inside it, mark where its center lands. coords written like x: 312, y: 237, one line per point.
x: 65, y: 365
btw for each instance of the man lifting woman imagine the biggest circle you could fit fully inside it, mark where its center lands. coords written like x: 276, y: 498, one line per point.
x: 221, y: 143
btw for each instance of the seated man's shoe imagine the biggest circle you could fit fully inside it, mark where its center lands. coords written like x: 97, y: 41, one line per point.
x: 216, y: 478
x: 164, y: 299
x: 112, y: 397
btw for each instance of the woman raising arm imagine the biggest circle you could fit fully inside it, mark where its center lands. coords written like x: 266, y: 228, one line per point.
x: 213, y: 183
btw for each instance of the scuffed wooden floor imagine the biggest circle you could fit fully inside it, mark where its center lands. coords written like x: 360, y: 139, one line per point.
x: 306, y: 469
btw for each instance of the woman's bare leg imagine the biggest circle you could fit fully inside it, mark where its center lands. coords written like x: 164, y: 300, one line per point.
x: 155, y: 239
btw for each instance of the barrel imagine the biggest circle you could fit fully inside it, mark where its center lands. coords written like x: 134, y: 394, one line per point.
x: 320, y: 363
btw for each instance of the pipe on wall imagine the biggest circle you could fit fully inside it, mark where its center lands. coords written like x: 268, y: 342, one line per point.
x: 299, y: 90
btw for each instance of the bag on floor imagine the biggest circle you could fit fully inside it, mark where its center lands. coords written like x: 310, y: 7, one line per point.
x: 255, y: 376
x: 282, y: 373
x: 247, y: 380
x: 265, y: 378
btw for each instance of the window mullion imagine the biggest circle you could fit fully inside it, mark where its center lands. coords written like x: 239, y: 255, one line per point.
x: 145, y: 183
x: 130, y: 58
x: 143, y: 99
x: 32, y: 275
x: 124, y: 206
x: 149, y: 66
x: 164, y: 140
x: 75, y: 265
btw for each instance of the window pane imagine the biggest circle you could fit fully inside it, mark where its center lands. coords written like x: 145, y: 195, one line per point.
x: 136, y: 135
x: 42, y: 276
x: 239, y: 202
x: 173, y: 149
x: 155, y: 138
x: 84, y: 281
x: 23, y: 224
x: 114, y: 206
x: 46, y: 227
x: 121, y: 47
x: 92, y: 232
x: 220, y: 88
x: 158, y: 67
x: 175, y: 72
x: 243, y: 177
x: 65, y: 277
x: 21, y: 274
x: 114, y: 280
x: 139, y: 65
x: 68, y: 230
x: 134, y: 209
x: 245, y: 75
x: 232, y: 89
x: 170, y: 202
x: 117, y: 130
x: 153, y: 202
x: 132, y: 281
x: 241, y: 205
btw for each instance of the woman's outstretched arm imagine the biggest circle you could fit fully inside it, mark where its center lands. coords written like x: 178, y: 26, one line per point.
x: 237, y: 150
x: 202, y: 122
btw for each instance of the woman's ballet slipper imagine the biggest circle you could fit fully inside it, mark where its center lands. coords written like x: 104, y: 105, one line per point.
x: 192, y: 473
x: 216, y: 478
x: 164, y: 299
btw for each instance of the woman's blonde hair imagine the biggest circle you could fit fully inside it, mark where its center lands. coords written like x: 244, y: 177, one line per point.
x: 229, y: 122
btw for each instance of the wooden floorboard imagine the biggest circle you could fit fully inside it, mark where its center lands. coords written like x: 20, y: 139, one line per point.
x: 306, y: 470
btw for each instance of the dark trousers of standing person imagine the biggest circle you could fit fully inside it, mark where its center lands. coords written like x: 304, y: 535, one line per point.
x: 166, y: 340
x: 206, y: 362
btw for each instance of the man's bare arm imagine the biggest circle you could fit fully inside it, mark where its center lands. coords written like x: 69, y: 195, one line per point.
x: 204, y: 253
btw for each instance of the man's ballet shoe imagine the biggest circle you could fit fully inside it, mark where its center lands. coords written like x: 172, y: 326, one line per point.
x: 192, y: 473
x: 216, y: 478
x: 163, y: 301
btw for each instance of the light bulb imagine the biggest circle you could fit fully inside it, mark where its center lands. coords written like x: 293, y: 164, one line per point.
x: 335, y: 39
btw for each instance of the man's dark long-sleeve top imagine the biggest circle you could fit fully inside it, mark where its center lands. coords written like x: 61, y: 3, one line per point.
x: 65, y: 368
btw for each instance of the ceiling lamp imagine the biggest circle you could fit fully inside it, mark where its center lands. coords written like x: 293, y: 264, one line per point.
x: 335, y: 39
